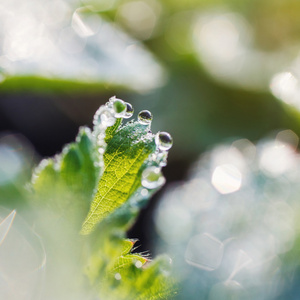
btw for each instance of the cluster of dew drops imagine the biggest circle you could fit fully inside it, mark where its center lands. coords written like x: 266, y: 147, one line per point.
x: 115, y: 108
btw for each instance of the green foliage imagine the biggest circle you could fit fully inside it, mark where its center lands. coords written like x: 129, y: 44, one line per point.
x: 76, y: 189
x: 124, y: 156
x: 65, y: 184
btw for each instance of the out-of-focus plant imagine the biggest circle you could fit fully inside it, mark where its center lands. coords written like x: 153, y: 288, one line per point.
x: 81, y: 203
x: 62, y: 45
x: 233, y: 227
x: 208, y: 69
x: 219, y: 56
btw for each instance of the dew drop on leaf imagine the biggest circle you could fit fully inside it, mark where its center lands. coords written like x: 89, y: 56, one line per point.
x: 163, y: 140
x: 119, y: 107
x: 107, y: 119
x: 129, y: 111
x: 145, y: 117
x: 138, y: 264
x: 144, y: 192
x: 162, y: 158
x: 101, y: 150
x: 152, y: 178
x: 104, y: 117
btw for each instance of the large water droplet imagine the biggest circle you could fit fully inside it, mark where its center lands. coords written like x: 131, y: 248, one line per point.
x: 152, y: 178
x: 119, y: 108
x: 145, y: 117
x: 129, y: 111
x: 163, y: 140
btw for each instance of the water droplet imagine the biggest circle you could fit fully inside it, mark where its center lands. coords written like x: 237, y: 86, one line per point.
x: 101, y: 143
x: 107, y: 118
x: 111, y: 101
x: 129, y: 111
x: 152, y: 178
x: 144, y: 192
x: 145, y: 117
x: 138, y: 264
x: 162, y: 158
x: 163, y: 140
x: 101, y: 150
x: 119, y: 108
x: 118, y: 276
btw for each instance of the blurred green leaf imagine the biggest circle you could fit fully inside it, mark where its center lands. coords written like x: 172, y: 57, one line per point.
x: 66, y: 183
x: 70, y: 45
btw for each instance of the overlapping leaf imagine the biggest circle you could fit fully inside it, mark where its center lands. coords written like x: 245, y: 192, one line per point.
x: 65, y: 184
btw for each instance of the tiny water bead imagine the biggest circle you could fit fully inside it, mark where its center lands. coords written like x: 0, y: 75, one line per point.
x: 152, y: 178
x: 145, y: 117
x: 110, y: 101
x: 161, y: 158
x: 129, y: 111
x: 101, y: 150
x: 144, y: 192
x: 119, y: 107
x: 104, y: 117
x: 138, y: 264
x: 163, y: 140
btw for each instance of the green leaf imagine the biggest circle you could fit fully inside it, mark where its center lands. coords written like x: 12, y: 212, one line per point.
x: 110, y: 131
x: 66, y: 183
x: 124, y: 157
x: 118, y: 273
x: 67, y: 200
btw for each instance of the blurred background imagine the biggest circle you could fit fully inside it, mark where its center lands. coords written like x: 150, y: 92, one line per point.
x: 211, y: 72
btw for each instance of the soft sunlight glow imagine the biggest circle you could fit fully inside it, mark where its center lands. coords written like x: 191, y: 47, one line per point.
x: 285, y: 86
x: 140, y: 17
x: 242, y: 221
x: 48, y: 39
x: 277, y: 158
x: 10, y: 164
x: 204, y: 251
x: 225, y: 46
x: 5, y: 225
x: 226, y: 179
x: 22, y: 258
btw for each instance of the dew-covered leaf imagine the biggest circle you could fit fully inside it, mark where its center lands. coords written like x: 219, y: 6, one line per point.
x: 124, y: 157
x: 100, y: 178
